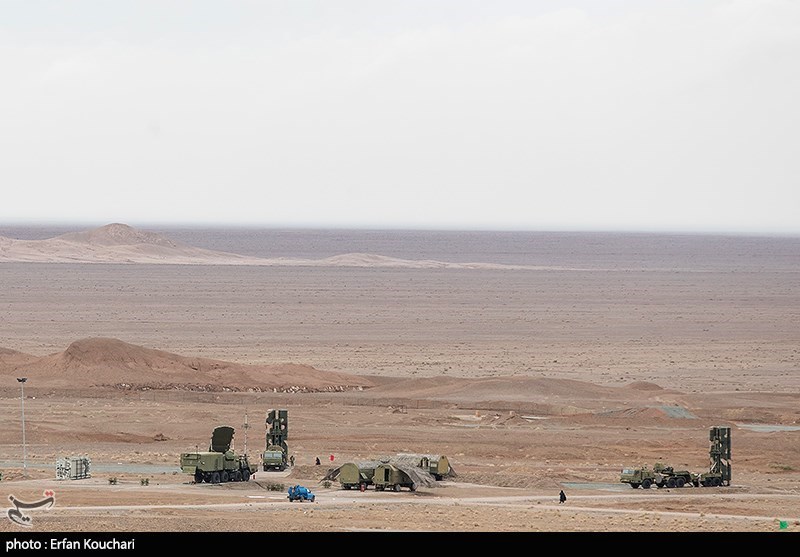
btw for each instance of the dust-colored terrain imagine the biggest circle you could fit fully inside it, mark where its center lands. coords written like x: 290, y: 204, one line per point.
x: 530, y: 380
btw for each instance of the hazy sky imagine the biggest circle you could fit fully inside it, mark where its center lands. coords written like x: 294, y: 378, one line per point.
x: 498, y: 114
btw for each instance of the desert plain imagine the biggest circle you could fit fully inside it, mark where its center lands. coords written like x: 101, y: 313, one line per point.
x: 530, y: 379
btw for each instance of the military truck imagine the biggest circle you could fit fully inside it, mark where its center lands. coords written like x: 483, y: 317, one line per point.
x: 635, y: 477
x: 273, y: 459
x: 219, y: 464
x: 660, y: 475
x: 712, y: 479
x: 673, y: 478
x: 276, y: 453
x: 719, y: 470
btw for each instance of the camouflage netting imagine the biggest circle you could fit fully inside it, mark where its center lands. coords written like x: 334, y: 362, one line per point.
x: 408, y: 464
x: 333, y: 473
x: 416, y: 459
x: 420, y: 477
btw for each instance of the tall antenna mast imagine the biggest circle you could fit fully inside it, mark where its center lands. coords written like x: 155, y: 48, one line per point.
x: 246, y: 426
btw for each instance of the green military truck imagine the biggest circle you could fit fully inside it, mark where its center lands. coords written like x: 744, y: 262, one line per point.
x: 659, y: 475
x: 674, y: 478
x: 274, y: 458
x: 276, y: 453
x: 219, y: 464
x: 643, y: 476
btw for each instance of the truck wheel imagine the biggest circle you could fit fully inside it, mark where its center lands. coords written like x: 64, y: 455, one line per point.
x: 646, y: 484
x: 237, y: 476
x: 671, y: 482
x: 215, y: 478
x: 246, y: 475
x: 397, y: 487
x: 198, y: 477
x: 680, y: 482
x: 717, y: 482
x: 225, y: 477
x: 634, y: 485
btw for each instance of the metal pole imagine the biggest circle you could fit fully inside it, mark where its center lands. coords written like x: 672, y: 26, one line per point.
x: 246, y: 426
x: 22, y: 406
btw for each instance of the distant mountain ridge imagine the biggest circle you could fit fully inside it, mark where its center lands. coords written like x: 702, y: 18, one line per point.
x: 112, y: 243
x: 120, y: 243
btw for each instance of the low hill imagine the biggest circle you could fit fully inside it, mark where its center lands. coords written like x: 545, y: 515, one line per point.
x: 112, y: 362
x: 113, y: 243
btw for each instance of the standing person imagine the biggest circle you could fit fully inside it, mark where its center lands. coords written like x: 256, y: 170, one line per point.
x: 561, y: 497
x: 317, y: 462
x: 291, y: 461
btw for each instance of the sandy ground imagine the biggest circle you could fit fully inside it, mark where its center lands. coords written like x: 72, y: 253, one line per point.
x: 508, y: 477
x: 528, y: 381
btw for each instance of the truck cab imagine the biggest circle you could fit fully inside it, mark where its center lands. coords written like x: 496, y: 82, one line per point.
x: 274, y: 458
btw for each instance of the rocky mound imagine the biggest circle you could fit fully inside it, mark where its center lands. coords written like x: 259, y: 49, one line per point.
x: 112, y: 362
x: 14, y: 359
x: 644, y: 386
x: 117, y: 234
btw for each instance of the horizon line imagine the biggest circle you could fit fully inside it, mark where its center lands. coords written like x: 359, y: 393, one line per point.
x: 81, y: 225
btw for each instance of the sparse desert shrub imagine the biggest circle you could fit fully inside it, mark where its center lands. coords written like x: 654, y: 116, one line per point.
x: 326, y: 484
x: 782, y: 467
x: 275, y: 487
x: 112, y: 480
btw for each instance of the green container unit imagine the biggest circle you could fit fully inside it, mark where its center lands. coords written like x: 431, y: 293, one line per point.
x: 387, y: 476
x: 357, y: 475
x: 438, y: 466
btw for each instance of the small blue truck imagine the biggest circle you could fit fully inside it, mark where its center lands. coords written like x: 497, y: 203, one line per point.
x: 300, y: 493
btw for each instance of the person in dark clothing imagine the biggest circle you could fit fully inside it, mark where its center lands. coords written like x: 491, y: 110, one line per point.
x: 317, y: 462
x: 561, y: 497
